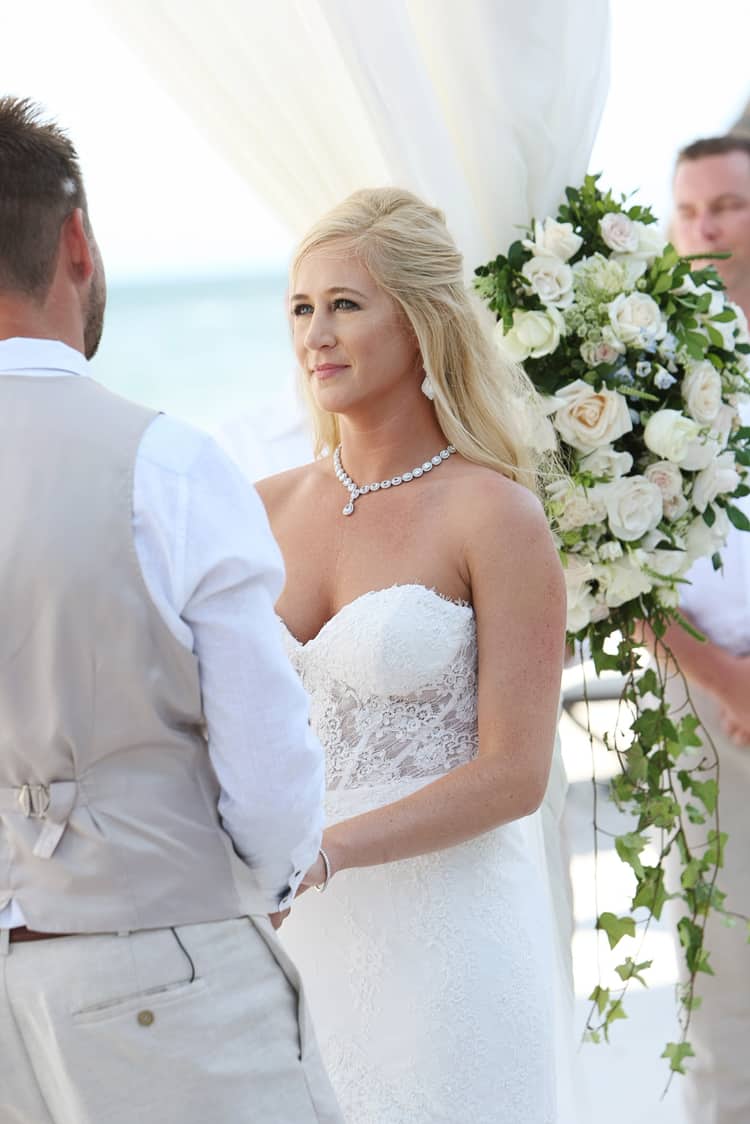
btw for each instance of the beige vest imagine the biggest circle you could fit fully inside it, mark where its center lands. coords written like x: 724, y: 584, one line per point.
x: 108, y: 802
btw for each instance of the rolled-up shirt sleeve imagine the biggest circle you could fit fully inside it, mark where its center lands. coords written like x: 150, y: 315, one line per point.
x: 226, y: 573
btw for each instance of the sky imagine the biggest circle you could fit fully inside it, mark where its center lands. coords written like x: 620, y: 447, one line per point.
x: 164, y: 203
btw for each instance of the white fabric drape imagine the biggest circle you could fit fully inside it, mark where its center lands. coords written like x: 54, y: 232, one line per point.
x: 485, y: 107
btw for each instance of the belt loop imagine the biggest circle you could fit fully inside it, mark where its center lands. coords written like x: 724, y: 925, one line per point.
x: 4, y: 942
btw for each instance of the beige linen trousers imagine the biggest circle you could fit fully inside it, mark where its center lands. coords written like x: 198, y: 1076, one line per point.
x: 193, y: 1025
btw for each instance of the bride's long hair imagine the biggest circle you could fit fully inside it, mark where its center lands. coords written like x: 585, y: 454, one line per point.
x: 486, y: 406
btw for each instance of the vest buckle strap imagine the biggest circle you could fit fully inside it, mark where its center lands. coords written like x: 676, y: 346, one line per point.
x: 34, y: 800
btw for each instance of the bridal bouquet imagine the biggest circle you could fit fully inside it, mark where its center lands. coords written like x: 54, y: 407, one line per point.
x: 641, y: 361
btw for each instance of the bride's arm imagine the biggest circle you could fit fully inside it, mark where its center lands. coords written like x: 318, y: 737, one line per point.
x: 519, y: 600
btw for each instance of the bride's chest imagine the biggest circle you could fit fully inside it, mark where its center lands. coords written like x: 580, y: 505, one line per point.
x: 401, y: 641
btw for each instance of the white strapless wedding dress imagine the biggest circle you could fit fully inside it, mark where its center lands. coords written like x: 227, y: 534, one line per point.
x: 430, y: 979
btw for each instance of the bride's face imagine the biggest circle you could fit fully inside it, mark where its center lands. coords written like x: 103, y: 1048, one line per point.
x: 351, y: 339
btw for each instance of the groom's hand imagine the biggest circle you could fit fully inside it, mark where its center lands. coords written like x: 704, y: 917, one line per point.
x: 278, y: 919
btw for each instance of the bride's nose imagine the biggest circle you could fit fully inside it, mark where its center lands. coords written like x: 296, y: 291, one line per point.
x: 320, y: 332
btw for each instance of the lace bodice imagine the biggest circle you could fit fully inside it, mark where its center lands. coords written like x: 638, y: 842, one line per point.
x: 392, y: 679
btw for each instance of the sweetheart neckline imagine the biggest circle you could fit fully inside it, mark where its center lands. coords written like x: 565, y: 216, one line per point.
x: 465, y: 605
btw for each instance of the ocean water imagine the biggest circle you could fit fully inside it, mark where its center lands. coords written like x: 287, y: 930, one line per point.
x: 205, y: 350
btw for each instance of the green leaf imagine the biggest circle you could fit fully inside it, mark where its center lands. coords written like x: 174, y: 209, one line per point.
x: 687, y: 733
x: 738, y: 518
x: 651, y: 893
x: 615, y: 927
x: 632, y: 971
x: 615, y: 1012
x: 709, y: 516
x: 629, y: 847
x: 707, y: 792
x: 677, y: 1052
x: 600, y: 996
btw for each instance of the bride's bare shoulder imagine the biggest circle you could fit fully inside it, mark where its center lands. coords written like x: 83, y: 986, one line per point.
x: 285, y: 487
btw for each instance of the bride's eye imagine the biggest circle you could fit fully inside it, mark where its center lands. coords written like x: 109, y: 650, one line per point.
x: 301, y: 309
x: 343, y: 304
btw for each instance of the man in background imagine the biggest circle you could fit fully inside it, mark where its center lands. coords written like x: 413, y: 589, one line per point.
x: 160, y: 789
x: 712, y: 215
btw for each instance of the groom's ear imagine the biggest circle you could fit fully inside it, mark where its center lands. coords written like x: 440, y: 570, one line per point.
x: 76, y: 251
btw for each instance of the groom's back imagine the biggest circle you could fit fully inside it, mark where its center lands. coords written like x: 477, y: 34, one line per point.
x: 103, y: 761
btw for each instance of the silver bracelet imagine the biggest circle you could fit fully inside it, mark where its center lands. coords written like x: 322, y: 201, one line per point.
x: 321, y: 886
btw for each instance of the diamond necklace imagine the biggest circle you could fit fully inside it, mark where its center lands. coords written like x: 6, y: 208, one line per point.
x: 357, y: 490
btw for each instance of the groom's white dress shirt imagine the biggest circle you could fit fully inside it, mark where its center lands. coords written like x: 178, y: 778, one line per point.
x: 213, y: 571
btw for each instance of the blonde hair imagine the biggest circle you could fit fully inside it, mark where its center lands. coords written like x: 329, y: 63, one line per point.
x: 485, y: 405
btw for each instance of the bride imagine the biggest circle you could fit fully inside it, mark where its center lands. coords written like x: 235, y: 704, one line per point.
x: 424, y: 611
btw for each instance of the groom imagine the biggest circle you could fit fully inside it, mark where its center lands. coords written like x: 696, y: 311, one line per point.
x: 159, y: 786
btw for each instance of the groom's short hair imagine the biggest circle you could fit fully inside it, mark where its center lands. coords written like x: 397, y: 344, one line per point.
x: 40, y: 186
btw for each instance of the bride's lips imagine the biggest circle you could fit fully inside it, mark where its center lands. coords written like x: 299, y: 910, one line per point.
x: 328, y: 370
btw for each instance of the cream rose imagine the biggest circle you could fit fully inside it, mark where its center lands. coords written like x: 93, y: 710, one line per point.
x: 636, y: 318
x: 600, y: 352
x: 555, y: 238
x: 589, y: 418
x: 619, y: 232
x: 717, y: 479
x: 667, y: 477
x: 634, y: 507
x: 701, y: 391
x: 551, y: 280
x: 533, y: 334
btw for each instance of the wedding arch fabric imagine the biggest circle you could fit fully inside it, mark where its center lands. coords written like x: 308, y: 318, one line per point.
x: 487, y: 108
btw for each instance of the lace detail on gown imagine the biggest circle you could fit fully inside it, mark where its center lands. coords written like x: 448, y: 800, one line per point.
x: 405, y: 707
x: 427, y: 977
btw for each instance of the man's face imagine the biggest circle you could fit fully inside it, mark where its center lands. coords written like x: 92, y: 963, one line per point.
x: 712, y: 212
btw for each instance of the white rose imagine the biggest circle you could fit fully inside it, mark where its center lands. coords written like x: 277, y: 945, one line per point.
x: 589, y: 418
x: 622, y: 581
x: 551, y: 280
x: 675, y: 507
x: 606, y: 462
x: 701, y: 391
x: 600, y: 352
x: 610, y: 550
x: 668, y: 434
x: 669, y: 563
x: 667, y: 596
x: 533, y: 334
x: 580, y: 507
x: 555, y: 238
x: 634, y: 267
x: 703, y: 541
x: 718, y: 478
x: 700, y: 452
x: 651, y: 241
x: 725, y: 421
x: 578, y: 575
x: 636, y: 318
x: 634, y: 506
x: 618, y: 232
